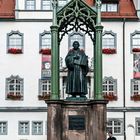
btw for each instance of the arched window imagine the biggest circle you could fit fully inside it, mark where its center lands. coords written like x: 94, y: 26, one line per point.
x: 14, y: 88
x: 109, y: 42
x: 77, y: 36
x: 135, y: 89
x: 110, y: 88
x: 135, y: 41
x: 44, y: 89
x: 45, y: 42
x: 15, y: 42
x: 115, y: 126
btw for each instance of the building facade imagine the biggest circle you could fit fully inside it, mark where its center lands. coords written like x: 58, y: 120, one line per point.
x: 25, y: 54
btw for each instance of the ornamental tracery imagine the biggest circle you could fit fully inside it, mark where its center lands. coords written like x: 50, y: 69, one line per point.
x: 76, y: 16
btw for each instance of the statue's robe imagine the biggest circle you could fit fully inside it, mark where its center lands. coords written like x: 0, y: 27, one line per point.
x: 77, y: 71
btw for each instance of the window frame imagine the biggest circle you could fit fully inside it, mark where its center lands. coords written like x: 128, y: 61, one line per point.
x: 33, y: 133
x: 107, y: 7
x: 6, y: 128
x: 30, y: 9
x: 131, y: 41
x: 132, y: 87
x: 48, y: 84
x: 19, y: 128
x: 115, y: 39
x: 14, y: 92
x: 70, y: 42
x: 120, y: 120
x: 40, y: 39
x: 50, y: 6
x: 8, y: 40
x: 136, y: 126
x: 60, y: 6
x: 114, y: 81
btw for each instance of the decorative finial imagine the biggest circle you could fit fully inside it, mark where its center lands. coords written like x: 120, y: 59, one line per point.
x: 54, y: 5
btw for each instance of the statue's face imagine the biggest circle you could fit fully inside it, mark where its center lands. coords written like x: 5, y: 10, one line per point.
x: 76, y: 45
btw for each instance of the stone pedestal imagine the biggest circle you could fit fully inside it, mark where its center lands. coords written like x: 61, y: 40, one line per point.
x: 76, y: 120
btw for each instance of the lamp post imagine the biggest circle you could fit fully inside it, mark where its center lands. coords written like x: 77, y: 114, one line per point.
x: 54, y: 54
x: 98, y: 54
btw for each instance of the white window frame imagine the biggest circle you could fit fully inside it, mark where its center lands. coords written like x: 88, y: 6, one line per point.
x: 23, y: 128
x: 109, y: 7
x: 3, y: 127
x: 15, y: 40
x: 135, y: 87
x: 46, y: 36
x: 137, y: 122
x: 44, y: 87
x: 36, y: 125
x: 16, y: 83
x: 115, y: 126
x: 135, y: 37
x: 46, y: 4
x: 111, y: 86
x: 109, y: 40
x: 30, y: 4
x: 62, y: 3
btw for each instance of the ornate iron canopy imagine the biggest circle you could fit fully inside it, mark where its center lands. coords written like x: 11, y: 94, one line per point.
x: 76, y: 16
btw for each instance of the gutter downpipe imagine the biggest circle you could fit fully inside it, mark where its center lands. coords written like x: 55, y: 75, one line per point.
x: 124, y: 104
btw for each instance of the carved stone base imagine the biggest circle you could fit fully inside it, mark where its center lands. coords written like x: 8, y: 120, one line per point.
x: 76, y: 120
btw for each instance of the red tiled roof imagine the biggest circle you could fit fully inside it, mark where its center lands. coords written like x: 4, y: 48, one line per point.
x: 90, y: 2
x: 7, y: 8
x: 126, y: 9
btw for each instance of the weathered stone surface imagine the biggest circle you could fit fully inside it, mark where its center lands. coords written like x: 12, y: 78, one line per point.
x: 93, y: 112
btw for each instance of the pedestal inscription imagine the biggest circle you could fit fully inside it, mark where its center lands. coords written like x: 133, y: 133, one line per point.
x: 76, y: 122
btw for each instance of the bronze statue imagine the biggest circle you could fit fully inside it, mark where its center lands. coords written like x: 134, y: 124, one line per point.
x: 77, y: 64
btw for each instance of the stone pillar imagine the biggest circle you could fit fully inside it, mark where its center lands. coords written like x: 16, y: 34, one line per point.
x: 98, y: 120
x: 54, y: 121
x: 76, y: 120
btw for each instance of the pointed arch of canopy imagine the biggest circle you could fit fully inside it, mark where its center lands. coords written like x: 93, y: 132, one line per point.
x: 76, y: 16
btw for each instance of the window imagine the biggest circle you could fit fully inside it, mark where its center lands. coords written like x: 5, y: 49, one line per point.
x: 62, y: 3
x: 44, y: 88
x: 30, y: 4
x: 137, y: 126
x: 109, y: 42
x: 109, y: 7
x: 45, y: 40
x: 135, y: 41
x: 46, y: 4
x: 115, y: 126
x: 109, y: 85
x: 3, y: 128
x: 135, y: 86
x: 37, y: 128
x: 45, y: 43
x: 14, y: 88
x: 23, y: 128
x: 110, y: 88
x: 15, y: 42
x: 109, y: 39
x: 77, y: 36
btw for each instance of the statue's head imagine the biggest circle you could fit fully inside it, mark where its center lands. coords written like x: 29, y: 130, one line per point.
x: 76, y: 45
